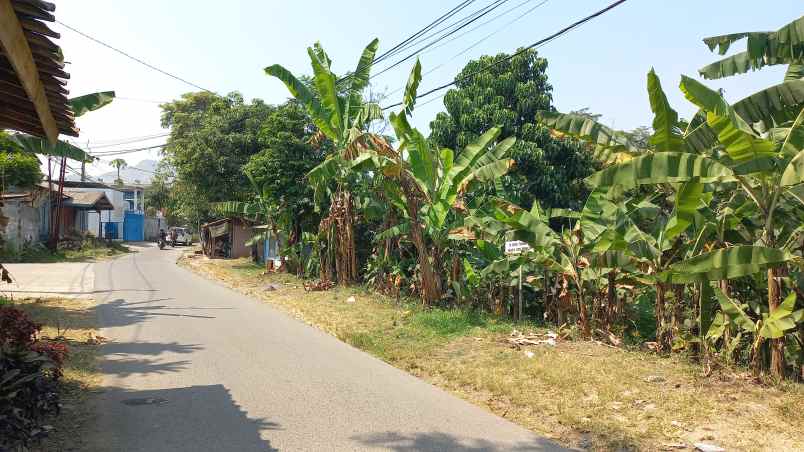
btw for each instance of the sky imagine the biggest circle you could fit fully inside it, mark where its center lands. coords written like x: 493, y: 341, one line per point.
x: 224, y: 47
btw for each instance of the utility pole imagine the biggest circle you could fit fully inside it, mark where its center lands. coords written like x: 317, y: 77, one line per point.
x: 84, y: 167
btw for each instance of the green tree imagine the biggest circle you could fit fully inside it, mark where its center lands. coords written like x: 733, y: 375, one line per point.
x: 17, y: 168
x: 118, y: 164
x: 508, y: 95
x: 281, y: 167
x: 211, y: 138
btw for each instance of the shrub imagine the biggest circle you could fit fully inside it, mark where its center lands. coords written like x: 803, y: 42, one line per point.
x: 30, y: 370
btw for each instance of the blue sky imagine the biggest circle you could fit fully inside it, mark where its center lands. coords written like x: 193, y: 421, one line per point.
x: 224, y: 46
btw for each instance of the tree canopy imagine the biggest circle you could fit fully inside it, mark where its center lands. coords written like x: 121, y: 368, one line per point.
x: 211, y: 138
x: 281, y: 167
x: 508, y: 95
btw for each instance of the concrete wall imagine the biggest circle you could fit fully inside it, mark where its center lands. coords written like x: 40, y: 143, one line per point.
x: 152, y: 227
x: 24, y: 223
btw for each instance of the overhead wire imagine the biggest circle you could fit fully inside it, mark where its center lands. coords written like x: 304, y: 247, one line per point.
x: 126, y: 151
x: 479, y: 41
x: 536, y: 44
x: 138, y: 60
x: 418, y: 51
x: 123, y: 141
x: 397, y: 48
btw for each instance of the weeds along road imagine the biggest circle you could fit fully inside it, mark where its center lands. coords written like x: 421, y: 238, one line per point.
x: 194, y: 366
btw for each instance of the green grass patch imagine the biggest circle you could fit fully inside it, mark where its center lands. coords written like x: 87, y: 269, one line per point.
x: 90, y: 251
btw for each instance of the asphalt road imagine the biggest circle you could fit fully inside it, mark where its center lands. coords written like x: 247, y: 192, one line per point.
x: 194, y: 366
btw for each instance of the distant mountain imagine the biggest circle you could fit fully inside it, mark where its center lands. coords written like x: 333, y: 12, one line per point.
x: 141, y: 173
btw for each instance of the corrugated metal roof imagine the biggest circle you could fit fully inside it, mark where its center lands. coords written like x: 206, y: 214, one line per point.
x: 95, y: 200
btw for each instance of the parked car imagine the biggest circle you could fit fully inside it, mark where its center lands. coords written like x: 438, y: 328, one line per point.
x: 180, y: 235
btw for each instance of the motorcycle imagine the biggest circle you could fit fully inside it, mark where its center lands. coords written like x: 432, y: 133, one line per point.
x: 161, y: 244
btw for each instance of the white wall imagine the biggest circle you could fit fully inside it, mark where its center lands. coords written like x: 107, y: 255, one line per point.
x: 120, y: 206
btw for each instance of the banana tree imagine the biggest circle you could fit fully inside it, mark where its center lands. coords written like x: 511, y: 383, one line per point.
x: 783, y: 46
x: 338, y: 110
x: 430, y: 183
x: 768, y: 168
x: 768, y: 325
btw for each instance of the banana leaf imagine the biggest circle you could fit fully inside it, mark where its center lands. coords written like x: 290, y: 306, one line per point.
x: 41, y: 146
x: 726, y: 263
x: 90, y: 102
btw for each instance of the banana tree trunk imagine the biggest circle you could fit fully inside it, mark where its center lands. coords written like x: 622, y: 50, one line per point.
x: 659, y: 313
x: 431, y: 282
x: 776, y: 345
x: 431, y: 289
x: 611, y: 299
x: 586, y: 327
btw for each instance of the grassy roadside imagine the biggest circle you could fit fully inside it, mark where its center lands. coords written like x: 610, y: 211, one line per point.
x: 581, y: 394
x: 73, y: 322
x: 89, y: 252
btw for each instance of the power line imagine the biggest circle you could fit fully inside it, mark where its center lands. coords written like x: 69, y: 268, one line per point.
x: 488, y: 9
x: 127, y: 141
x: 509, y: 57
x: 126, y: 151
x: 434, y: 31
x: 146, y: 64
x: 480, y: 41
x: 399, y: 47
x: 490, y: 21
x: 395, y: 49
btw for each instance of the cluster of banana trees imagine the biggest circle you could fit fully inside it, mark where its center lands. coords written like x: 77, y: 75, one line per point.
x: 710, y: 204
x: 704, y: 222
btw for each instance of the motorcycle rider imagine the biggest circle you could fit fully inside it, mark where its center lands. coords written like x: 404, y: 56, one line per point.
x: 162, y: 236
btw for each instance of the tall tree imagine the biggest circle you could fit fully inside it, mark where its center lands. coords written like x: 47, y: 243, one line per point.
x: 337, y: 108
x: 118, y: 164
x: 211, y: 138
x: 507, y: 95
x: 281, y: 168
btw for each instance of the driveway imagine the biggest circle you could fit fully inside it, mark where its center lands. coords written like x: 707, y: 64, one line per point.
x: 61, y: 280
x: 194, y: 366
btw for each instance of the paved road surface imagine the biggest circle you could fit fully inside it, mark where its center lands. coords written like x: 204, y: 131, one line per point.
x: 194, y: 366
x: 63, y: 279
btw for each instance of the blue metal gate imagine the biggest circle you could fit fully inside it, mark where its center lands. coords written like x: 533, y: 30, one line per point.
x: 133, y: 227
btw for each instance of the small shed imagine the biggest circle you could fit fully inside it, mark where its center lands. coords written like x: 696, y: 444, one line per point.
x: 227, y: 238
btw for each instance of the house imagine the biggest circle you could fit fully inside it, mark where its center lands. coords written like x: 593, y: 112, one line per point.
x: 29, y: 213
x: 125, y: 221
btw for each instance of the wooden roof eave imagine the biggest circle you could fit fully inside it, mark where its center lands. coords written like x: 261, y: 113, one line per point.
x: 31, y: 64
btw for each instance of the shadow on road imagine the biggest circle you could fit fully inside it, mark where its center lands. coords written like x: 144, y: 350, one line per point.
x: 438, y: 441
x: 148, y: 348
x: 188, y: 419
x: 120, y: 312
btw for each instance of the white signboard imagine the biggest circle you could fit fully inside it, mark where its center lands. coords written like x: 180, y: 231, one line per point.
x: 516, y: 247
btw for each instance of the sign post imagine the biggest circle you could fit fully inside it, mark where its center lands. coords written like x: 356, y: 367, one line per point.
x: 516, y: 247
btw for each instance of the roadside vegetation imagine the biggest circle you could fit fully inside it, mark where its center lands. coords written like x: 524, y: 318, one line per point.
x: 48, y: 357
x: 80, y: 249
x: 581, y: 393
x: 677, y: 246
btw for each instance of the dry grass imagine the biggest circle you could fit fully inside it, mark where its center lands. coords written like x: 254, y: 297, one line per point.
x: 581, y: 394
x: 72, y: 321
